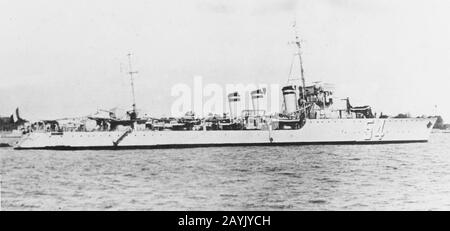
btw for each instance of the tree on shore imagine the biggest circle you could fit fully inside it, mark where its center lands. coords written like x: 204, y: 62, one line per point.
x: 439, y: 123
x: 402, y: 116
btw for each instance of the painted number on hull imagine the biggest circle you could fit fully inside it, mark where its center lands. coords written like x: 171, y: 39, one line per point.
x: 374, y: 130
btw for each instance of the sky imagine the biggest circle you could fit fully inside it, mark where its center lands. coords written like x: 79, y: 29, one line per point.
x: 68, y: 58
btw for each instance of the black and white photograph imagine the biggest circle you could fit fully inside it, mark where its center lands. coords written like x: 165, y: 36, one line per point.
x: 225, y: 105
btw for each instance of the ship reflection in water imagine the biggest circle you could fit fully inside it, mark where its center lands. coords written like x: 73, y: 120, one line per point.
x: 311, y: 177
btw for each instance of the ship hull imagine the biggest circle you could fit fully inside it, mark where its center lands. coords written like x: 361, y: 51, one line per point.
x: 323, y: 131
x: 9, y: 139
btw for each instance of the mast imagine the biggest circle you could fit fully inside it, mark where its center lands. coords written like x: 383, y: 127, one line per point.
x: 131, y: 72
x: 302, y: 75
x: 299, y: 53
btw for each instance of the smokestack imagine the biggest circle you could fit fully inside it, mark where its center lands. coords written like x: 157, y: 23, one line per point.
x: 234, y: 100
x: 258, y: 100
x: 290, y: 98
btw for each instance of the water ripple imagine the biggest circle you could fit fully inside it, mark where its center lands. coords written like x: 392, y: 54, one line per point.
x: 331, y: 177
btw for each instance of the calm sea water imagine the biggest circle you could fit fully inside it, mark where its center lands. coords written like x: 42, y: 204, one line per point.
x: 412, y: 176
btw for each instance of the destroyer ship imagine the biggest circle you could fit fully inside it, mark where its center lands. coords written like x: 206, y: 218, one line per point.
x: 309, y: 115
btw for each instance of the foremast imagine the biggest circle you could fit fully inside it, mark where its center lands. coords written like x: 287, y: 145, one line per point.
x: 298, y: 54
x: 131, y: 73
